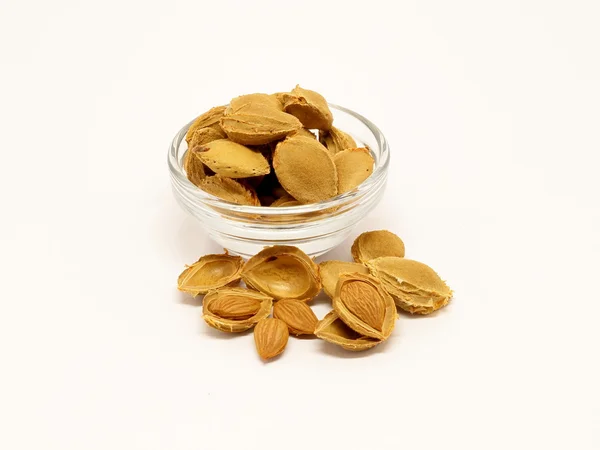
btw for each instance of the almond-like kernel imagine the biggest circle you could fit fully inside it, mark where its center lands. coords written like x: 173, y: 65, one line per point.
x: 270, y: 337
x: 297, y: 315
x: 331, y: 270
x: 236, y: 309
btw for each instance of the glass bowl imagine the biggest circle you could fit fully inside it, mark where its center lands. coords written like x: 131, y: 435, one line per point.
x: 315, y: 228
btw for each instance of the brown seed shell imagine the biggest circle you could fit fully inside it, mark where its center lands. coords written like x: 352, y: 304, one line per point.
x: 229, y: 190
x: 270, y: 337
x: 374, y: 244
x: 232, y: 160
x: 210, y: 272
x: 281, y: 272
x: 304, y: 132
x: 234, y: 310
x: 331, y: 270
x: 415, y: 286
x: 336, y: 140
x: 205, y: 135
x: 353, y: 167
x: 257, y: 124
x: 297, y: 315
x: 210, y: 118
x: 310, y: 107
x: 195, y: 170
x: 363, y: 305
x: 305, y: 169
x: 332, y: 329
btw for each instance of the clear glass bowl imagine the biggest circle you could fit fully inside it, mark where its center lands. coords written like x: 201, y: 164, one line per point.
x: 315, y: 228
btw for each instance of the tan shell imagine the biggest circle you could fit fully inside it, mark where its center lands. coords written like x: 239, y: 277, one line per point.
x: 210, y: 118
x: 238, y: 103
x: 205, y: 135
x: 310, y: 107
x: 194, y: 168
x: 374, y: 244
x: 415, y: 286
x: 331, y: 270
x: 305, y: 169
x: 235, y: 309
x: 229, y: 190
x: 210, y: 272
x: 336, y: 140
x: 304, y: 132
x: 281, y: 272
x: 363, y: 305
x: 297, y: 315
x: 270, y: 337
x: 232, y: 160
x: 353, y: 167
x: 257, y: 124
x: 286, y: 200
x: 332, y: 329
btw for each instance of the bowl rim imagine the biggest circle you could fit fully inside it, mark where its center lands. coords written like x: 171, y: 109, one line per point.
x: 377, y: 177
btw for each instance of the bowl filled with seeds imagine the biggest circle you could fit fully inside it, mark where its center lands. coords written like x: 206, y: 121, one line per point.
x: 279, y: 169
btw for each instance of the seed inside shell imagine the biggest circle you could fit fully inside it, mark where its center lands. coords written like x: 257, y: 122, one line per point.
x: 305, y: 169
x: 283, y: 272
x: 235, y: 309
x: 229, y: 190
x: 363, y: 305
x: 331, y: 270
x: 310, y: 107
x: 374, y: 244
x: 332, y: 329
x: 353, y: 167
x: 210, y: 272
x: 232, y: 160
x: 415, y: 286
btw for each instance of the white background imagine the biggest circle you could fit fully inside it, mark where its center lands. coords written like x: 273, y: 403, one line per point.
x: 492, y: 113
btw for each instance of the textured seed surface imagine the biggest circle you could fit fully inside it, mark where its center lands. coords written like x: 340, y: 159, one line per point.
x: 304, y: 132
x: 363, y: 305
x: 229, y: 190
x: 415, y: 286
x: 257, y: 124
x: 283, y: 272
x: 305, y: 169
x: 310, y: 107
x: 297, y: 315
x: 336, y: 140
x: 235, y: 309
x: 270, y: 337
x: 374, y: 244
x: 353, y: 167
x: 238, y: 103
x: 210, y: 118
x: 194, y: 168
x: 205, y: 135
x: 332, y: 329
x: 210, y: 272
x: 331, y: 270
x: 232, y: 160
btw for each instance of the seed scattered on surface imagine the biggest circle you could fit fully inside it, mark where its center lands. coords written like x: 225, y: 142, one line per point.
x: 210, y: 272
x: 235, y: 309
x: 331, y: 270
x: 270, y: 337
x: 374, y: 244
x: 297, y: 315
x: 283, y: 272
x: 415, y: 286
